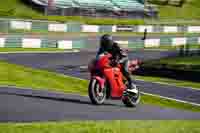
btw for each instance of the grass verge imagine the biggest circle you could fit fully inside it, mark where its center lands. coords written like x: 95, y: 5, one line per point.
x: 184, y: 12
x: 17, y: 9
x: 16, y: 75
x: 20, y: 76
x: 138, y: 126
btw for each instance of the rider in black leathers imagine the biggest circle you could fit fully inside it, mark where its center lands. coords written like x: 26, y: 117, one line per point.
x: 107, y: 45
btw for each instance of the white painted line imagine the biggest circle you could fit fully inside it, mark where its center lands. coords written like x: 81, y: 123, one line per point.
x: 173, y: 99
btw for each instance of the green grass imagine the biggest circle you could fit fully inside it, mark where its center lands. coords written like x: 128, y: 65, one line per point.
x: 137, y: 126
x: 168, y: 103
x: 17, y: 9
x: 190, y: 10
x: 16, y: 75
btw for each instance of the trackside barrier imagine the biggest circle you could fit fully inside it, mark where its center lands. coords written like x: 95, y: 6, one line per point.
x: 20, y: 41
x: 7, y: 25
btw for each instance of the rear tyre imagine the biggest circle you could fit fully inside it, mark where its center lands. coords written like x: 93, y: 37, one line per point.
x: 96, y: 94
x: 130, y: 99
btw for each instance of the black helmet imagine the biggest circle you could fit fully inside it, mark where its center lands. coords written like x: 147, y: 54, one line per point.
x: 106, y: 42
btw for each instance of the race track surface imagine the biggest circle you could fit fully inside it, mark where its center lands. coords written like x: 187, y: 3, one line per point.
x: 72, y: 63
x: 24, y: 105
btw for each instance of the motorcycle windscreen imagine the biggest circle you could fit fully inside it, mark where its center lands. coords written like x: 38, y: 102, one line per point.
x: 115, y: 79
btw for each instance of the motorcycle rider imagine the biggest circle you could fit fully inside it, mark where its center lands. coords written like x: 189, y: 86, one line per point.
x: 107, y: 45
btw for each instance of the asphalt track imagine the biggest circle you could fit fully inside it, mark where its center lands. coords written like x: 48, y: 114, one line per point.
x: 29, y: 105
x: 70, y: 64
x: 26, y: 105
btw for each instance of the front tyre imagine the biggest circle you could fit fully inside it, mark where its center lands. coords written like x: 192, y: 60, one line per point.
x: 96, y: 94
x: 130, y: 99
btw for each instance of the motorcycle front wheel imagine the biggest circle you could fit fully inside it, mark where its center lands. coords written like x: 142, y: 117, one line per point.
x: 130, y: 99
x: 97, y: 95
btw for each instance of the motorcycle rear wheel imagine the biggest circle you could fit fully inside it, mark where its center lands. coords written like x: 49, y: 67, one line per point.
x: 96, y: 94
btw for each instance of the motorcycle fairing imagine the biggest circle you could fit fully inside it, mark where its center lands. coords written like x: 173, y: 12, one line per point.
x: 115, y: 80
x: 101, y: 81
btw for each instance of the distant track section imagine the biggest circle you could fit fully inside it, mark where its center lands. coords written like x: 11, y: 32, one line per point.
x: 40, y: 2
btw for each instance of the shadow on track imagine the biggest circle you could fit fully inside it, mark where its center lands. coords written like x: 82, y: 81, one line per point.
x: 82, y: 100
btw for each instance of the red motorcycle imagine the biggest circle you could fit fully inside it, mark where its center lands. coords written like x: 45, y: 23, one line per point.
x: 107, y: 81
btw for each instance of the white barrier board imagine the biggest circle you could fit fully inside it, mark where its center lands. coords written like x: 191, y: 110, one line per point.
x: 114, y: 28
x: 170, y: 29
x: 65, y: 44
x: 152, y: 43
x: 194, y: 29
x: 31, y: 43
x: 179, y: 41
x: 2, y: 42
x: 90, y: 28
x: 20, y: 25
x: 199, y: 40
x: 57, y: 27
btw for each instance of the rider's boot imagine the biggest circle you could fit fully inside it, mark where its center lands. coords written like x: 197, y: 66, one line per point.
x: 132, y: 88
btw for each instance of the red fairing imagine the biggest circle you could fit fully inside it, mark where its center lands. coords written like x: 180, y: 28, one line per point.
x: 115, y: 78
x: 101, y: 81
x: 112, y: 74
x: 104, y: 62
